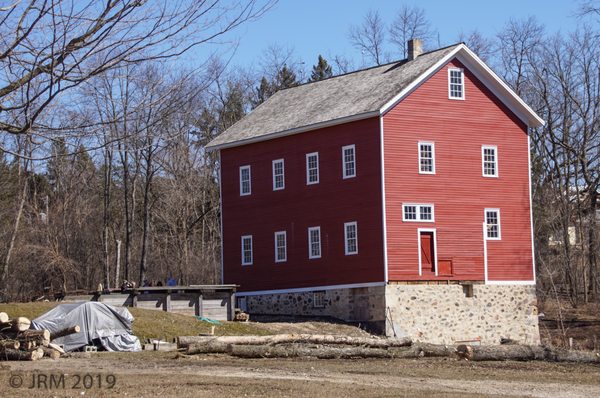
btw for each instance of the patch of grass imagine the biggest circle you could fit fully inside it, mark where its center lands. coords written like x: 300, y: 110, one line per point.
x: 151, y: 323
x: 165, y: 325
x: 28, y: 310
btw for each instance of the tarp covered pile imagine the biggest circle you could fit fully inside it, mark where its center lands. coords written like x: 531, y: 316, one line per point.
x: 102, y: 325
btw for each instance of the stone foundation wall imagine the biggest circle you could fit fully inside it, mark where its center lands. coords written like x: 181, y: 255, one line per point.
x: 365, y: 304
x: 443, y: 314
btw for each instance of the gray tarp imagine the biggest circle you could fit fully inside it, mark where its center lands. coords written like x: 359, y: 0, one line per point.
x: 101, y: 324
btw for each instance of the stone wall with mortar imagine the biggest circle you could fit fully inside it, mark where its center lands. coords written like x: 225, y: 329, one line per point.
x: 443, y: 314
x: 366, y: 304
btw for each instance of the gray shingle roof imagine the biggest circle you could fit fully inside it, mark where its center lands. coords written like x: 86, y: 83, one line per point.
x: 339, y: 97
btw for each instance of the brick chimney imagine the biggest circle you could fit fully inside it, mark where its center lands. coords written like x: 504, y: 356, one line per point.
x: 415, y: 48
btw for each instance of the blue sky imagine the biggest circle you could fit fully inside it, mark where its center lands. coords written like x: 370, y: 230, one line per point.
x: 311, y: 27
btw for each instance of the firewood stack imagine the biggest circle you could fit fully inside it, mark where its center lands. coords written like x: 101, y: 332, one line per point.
x: 19, y: 342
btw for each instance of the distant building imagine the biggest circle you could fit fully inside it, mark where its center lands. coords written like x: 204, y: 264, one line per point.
x: 396, y: 196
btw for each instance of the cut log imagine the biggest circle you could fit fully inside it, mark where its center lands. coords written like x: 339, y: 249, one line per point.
x: 20, y: 324
x: 500, y: 353
x: 407, y: 352
x: 4, y: 317
x: 557, y: 355
x: 17, y: 355
x: 372, y: 342
x: 415, y: 351
x: 293, y: 351
x: 212, y: 347
x: 420, y: 350
x: 28, y: 345
x: 437, y: 350
x: 51, y: 353
x: 56, y: 347
x: 65, y: 332
x: 41, y: 337
x: 37, y: 353
x: 11, y: 344
x: 525, y: 353
x: 30, y: 338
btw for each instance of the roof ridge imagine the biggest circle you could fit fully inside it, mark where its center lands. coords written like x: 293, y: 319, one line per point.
x: 403, y: 61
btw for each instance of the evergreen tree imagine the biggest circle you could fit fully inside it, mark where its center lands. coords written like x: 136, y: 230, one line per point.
x: 322, y: 70
x: 285, y: 78
x: 264, y: 90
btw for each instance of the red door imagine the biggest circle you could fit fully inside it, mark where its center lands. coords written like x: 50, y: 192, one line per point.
x: 427, y: 253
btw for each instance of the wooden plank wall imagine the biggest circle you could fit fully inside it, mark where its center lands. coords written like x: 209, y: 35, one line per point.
x: 458, y: 190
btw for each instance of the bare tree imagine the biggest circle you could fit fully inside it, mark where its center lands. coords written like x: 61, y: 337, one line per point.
x: 50, y: 47
x: 481, y: 45
x: 566, y: 79
x: 519, y: 41
x: 410, y: 23
x: 23, y: 166
x: 589, y: 7
x: 275, y: 58
x: 369, y: 38
x: 342, y: 64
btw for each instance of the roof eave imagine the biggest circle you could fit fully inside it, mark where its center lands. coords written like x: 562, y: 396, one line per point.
x: 298, y: 130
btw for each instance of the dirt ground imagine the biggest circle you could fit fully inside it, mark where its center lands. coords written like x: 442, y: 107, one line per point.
x: 152, y: 374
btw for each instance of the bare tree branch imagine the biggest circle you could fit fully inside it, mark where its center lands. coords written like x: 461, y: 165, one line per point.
x: 410, y: 23
x: 369, y: 38
x: 50, y: 47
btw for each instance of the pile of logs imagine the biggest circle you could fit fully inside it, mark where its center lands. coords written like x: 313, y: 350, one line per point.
x: 19, y: 342
x: 342, y: 347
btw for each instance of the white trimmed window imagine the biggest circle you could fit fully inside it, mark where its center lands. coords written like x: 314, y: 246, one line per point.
x: 245, y: 183
x: 280, y: 247
x: 348, y: 161
x: 247, y: 250
x: 489, y: 160
x: 426, y: 157
x: 456, y: 84
x: 314, y: 242
x: 278, y: 175
x: 417, y: 212
x: 492, y: 222
x: 350, y: 238
x: 312, y: 168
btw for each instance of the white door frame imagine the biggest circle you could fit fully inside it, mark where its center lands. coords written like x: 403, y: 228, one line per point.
x: 435, y: 251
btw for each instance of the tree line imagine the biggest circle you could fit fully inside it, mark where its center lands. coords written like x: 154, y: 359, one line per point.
x: 103, y: 172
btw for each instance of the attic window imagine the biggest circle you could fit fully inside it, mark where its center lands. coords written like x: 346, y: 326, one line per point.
x: 456, y: 84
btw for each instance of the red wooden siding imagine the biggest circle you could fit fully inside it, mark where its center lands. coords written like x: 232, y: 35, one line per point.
x: 328, y: 204
x: 459, y: 192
